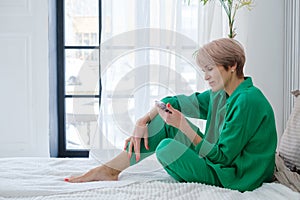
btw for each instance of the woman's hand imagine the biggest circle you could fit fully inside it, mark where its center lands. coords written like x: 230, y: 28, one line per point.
x: 140, y: 131
x: 174, y: 118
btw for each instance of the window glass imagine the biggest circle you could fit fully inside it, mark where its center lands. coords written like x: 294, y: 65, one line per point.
x: 81, y: 121
x: 81, y: 71
x: 81, y: 22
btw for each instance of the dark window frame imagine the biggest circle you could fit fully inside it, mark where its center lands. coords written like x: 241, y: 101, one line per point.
x: 61, y: 96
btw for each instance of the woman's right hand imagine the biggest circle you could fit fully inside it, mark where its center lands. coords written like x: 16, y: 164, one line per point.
x: 140, y: 131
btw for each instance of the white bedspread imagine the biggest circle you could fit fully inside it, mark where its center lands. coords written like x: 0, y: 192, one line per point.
x: 43, y: 178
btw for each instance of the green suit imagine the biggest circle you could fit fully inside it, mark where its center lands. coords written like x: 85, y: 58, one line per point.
x: 237, y: 150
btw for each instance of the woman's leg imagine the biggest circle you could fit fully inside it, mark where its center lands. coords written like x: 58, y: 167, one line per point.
x: 106, y: 172
x: 114, y: 167
x: 184, y: 164
x: 157, y: 131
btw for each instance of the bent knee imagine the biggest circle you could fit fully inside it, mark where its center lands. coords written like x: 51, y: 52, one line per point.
x: 163, y: 144
x: 165, y: 148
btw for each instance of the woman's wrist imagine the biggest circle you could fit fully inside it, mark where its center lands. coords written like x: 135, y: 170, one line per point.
x: 142, y: 122
x: 197, y: 139
x: 145, y: 120
x: 189, y: 132
x: 149, y: 116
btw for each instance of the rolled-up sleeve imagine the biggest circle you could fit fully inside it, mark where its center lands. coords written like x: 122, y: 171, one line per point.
x: 194, y: 106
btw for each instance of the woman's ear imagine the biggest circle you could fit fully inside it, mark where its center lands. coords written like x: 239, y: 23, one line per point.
x: 233, y: 68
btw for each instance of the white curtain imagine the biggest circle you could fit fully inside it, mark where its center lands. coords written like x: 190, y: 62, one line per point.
x: 146, y: 54
x: 292, y: 54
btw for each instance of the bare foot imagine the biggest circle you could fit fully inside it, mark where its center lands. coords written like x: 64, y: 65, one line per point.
x: 102, y: 173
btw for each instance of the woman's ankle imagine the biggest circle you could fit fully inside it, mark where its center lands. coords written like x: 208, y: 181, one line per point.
x: 114, y: 172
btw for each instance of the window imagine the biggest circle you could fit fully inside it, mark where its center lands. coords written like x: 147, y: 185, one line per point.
x: 78, y: 69
x: 174, y: 30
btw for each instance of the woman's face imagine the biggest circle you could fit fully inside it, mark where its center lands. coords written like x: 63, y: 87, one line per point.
x: 217, y: 77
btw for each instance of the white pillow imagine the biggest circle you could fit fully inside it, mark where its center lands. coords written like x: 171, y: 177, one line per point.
x: 289, y: 146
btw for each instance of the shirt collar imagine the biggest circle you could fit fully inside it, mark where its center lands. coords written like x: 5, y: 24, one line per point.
x: 245, y: 84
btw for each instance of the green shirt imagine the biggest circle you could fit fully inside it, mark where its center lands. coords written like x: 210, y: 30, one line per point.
x: 240, y: 138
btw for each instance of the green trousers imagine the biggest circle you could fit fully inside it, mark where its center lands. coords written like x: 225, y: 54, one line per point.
x: 176, y: 153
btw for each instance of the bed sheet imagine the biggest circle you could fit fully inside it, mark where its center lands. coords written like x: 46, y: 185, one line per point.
x: 43, y: 178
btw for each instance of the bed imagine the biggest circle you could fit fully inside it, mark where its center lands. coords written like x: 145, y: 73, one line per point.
x: 43, y: 178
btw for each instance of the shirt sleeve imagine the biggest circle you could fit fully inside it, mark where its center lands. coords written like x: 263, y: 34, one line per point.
x: 194, y: 106
x: 241, y: 122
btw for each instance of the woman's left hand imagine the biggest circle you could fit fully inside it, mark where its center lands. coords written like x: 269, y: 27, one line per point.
x: 175, y: 118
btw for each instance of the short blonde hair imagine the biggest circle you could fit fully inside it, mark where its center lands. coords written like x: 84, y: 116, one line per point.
x: 225, y: 52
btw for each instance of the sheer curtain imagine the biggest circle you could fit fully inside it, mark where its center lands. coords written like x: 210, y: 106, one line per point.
x: 292, y: 53
x: 146, y: 53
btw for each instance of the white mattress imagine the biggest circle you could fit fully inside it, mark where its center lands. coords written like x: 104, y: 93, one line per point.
x: 43, y: 178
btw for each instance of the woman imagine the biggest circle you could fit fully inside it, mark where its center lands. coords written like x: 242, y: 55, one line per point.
x: 237, y: 150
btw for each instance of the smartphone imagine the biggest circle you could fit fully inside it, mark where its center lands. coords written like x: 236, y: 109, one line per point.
x: 162, y: 106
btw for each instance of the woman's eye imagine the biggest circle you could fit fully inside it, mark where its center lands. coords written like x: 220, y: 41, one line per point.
x: 207, y: 68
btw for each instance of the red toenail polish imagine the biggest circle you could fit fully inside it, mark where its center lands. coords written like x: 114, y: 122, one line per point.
x: 66, y: 179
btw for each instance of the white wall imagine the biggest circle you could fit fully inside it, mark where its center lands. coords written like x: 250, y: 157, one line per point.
x: 24, y: 78
x: 264, y: 43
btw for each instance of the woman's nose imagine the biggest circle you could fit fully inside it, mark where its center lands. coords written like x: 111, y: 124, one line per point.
x: 206, y: 76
